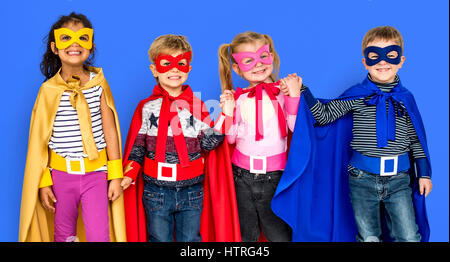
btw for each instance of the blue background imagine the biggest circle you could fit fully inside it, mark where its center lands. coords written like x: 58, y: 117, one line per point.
x: 320, y: 40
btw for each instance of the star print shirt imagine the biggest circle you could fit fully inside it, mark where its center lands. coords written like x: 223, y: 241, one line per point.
x: 198, y: 136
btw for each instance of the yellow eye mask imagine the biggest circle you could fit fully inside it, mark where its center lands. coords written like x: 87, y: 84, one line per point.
x: 83, y: 37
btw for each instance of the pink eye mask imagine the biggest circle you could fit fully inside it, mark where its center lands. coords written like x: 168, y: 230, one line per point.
x: 256, y: 57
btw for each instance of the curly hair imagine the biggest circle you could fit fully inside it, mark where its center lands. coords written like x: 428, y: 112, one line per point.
x: 51, y: 62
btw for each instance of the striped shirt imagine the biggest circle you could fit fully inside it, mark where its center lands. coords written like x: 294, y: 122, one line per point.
x: 364, y: 125
x: 66, y: 138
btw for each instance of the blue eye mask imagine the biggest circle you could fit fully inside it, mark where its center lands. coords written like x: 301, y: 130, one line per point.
x: 382, y: 54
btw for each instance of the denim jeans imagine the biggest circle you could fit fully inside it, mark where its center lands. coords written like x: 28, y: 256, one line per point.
x: 169, y: 208
x: 254, y: 194
x: 370, y: 192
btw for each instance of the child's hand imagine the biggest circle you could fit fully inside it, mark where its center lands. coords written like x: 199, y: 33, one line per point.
x: 126, y: 182
x: 227, y: 102
x: 115, y: 189
x: 284, y: 87
x: 425, y: 186
x: 291, y: 85
x: 45, y: 194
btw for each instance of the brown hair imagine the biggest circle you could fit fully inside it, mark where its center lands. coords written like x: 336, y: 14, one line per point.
x: 382, y: 33
x: 226, y: 59
x: 51, y: 63
x: 171, y: 42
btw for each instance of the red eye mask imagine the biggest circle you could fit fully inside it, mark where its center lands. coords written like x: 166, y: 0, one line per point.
x: 173, y: 62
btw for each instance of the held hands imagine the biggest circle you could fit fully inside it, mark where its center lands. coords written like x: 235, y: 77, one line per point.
x: 227, y: 102
x: 291, y: 85
x: 131, y: 169
x: 425, y: 186
x: 126, y: 182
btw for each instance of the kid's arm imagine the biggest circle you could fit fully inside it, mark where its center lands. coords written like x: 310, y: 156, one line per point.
x: 46, y: 179
x: 424, y: 175
x: 211, y: 137
x: 291, y: 87
x: 233, y: 130
x: 230, y: 108
x: 45, y: 191
x: 328, y: 112
x: 112, y: 141
x: 422, y: 166
x: 114, y: 164
x: 132, y: 165
x: 138, y: 151
x: 291, y: 107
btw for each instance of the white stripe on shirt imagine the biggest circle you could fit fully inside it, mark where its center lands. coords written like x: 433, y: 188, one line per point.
x: 66, y: 138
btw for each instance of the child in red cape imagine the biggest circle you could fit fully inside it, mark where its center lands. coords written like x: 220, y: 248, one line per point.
x: 175, y: 186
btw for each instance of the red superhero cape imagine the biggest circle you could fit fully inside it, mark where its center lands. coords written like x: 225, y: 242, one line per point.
x: 219, y: 220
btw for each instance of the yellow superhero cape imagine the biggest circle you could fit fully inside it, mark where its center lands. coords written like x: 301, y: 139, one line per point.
x: 36, y: 224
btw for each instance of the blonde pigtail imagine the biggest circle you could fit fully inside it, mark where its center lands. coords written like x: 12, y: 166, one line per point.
x: 276, y: 59
x: 225, y: 67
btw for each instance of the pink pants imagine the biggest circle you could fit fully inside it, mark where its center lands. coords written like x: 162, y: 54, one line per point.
x: 91, y: 190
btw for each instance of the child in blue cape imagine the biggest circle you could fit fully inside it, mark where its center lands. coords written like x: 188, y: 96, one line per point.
x: 377, y: 156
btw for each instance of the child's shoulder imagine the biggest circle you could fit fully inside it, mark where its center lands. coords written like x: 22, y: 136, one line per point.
x: 149, y: 101
x: 50, y: 86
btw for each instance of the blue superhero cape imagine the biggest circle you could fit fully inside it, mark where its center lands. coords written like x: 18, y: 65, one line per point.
x: 313, y: 195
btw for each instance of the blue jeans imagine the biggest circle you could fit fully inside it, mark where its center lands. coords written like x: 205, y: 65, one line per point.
x: 368, y: 191
x: 169, y: 208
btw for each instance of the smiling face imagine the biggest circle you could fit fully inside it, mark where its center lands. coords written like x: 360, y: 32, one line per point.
x: 383, y: 72
x: 73, y: 55
x: 173, y: 79
x: 260, y: 72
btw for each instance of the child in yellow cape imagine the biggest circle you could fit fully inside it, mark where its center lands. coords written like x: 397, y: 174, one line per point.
x: 74, y: 146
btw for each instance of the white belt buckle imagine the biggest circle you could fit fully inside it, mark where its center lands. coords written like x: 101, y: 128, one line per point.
x: 69, y: 166
x: 382, y: 165
x: 258, y: 171
x: 165, y: 178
